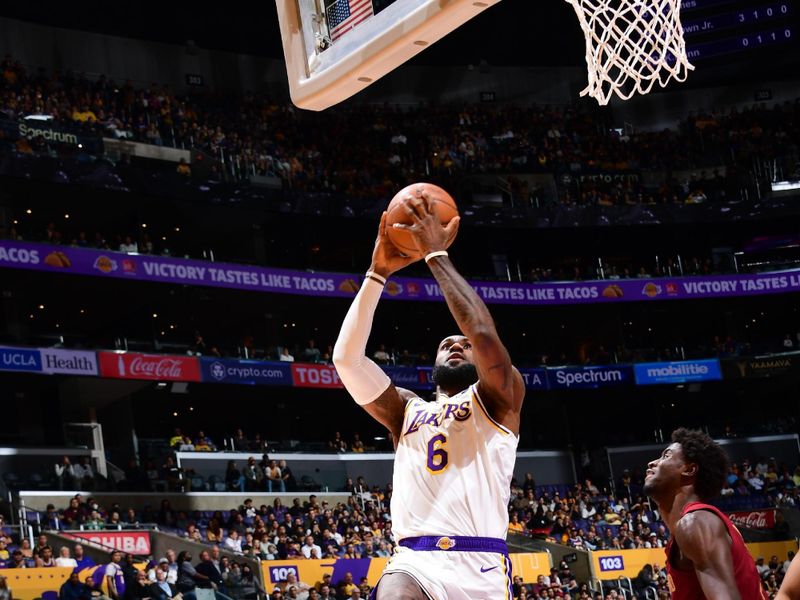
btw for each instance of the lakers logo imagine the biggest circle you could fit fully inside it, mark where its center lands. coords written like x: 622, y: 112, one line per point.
x: 445, y: 543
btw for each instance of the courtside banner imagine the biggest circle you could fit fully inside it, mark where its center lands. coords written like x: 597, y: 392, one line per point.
x: 677, y: 372
x: 247, y: 372
x: 528, y: 565
x: 139, y: 267
x: 535, y: 379
x: 68, y: 362
x: 413, y: 378
x: 612, y: 564
x: 754, y: 519
x: 315, y: 376
x: 132, y: 365
x: 569, y: 378
x: 20, y: 359
x: 132, y: 542
x: 770, y: 365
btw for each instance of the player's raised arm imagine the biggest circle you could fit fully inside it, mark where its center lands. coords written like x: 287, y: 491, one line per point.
x: 501, y: 385
x: 366, y: 382
x: 703, y: 539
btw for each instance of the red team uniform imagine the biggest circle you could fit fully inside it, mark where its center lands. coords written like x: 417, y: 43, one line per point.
x: 684, y: 585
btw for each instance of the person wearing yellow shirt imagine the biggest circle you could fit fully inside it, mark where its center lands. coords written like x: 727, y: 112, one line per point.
x: 514, y: 526
x: 176, y: 439
x: 84, y: 115
x: 346, y: 586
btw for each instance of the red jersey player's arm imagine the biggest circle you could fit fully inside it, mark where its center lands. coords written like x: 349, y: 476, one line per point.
x: 790, y: 588
x: 704, y: 539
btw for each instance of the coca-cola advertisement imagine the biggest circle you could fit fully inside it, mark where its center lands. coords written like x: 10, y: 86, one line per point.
x: 754, y: 519
x: 132, y: 365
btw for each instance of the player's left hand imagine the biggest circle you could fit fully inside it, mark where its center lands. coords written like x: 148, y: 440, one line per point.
x: 426, y: 230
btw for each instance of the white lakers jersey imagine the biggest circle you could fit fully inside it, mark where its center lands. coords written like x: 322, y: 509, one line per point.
x: 452, y: 470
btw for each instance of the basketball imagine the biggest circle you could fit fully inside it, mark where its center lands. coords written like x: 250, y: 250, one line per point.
x: 442, y: 204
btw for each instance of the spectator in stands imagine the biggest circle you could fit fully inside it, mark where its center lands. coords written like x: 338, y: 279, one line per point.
x: 65, y: 475
x: 234, y: 479
x: 214, y: 531
x: 358, y: 445
x: 249, y: 586
x: 94, y: 522
x: 25, y: 548
x: 289, y: 482
x: 514, y: 525
x: 18, y: 561
x: 73, y: 589
x: 233, y: 542
x: 161, y: 589
x: 114, y: 578
x: 252, y: 475
x: 186, y: 445
x: 207, y: 567
x: 84, y: 474
x: 346, y: 587
x: 284, y: 355
x: 45, y: 558
x: 204, y: 444
x: 310, y: 549
x: 273, y: 477
x: 311, y: 353
x: 381, y: 356
x: 176, y: 439
x: 337, y: 444
x: 183, y: 168
x: 174, y: 476
x: 64, y: 559
x: 240, y: 441
x: 41, y: 544
x: 140, y: 589
x: 94, y: 590
x: 188, y: 576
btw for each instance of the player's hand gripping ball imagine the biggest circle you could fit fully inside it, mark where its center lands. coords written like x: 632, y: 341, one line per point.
x: 441, y: 203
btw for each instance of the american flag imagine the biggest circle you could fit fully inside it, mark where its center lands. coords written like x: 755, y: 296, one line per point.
x: 343, y: 15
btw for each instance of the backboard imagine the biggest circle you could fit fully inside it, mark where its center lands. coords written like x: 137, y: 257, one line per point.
x: 336, y: 48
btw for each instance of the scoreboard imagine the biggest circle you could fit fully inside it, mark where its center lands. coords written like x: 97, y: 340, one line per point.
x: 714, y: 28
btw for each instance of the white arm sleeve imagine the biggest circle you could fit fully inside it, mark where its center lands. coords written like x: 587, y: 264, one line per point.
x: 361, y: 377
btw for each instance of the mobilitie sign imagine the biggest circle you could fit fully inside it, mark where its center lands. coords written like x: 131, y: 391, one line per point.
x: 677, y: 372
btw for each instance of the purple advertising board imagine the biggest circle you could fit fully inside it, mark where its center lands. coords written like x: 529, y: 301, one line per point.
x: 141, y: 267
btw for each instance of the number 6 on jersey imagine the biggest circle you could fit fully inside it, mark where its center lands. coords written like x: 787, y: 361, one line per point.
x: 437, y: 455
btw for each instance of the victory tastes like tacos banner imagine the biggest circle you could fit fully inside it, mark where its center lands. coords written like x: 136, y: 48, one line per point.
x: 85, y: 261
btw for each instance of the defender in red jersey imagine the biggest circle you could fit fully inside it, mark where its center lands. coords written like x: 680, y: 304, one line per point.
x: 706, y: 556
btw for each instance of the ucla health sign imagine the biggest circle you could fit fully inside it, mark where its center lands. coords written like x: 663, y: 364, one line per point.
x: 20, y: 359
x: 246, y: 372
x: 677, y: 372
x: 569, y: 378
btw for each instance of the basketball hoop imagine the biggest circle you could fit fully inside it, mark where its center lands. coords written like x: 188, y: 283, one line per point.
x: 631, y: 45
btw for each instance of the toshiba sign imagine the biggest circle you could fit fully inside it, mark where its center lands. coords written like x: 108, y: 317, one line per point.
x: 315, y: 376
x: 131, y: 542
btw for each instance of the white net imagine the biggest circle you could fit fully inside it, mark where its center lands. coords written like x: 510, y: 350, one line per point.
x: 631, y: 45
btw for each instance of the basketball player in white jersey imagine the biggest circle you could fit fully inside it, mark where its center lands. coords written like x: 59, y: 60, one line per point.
x: 454, y: 456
